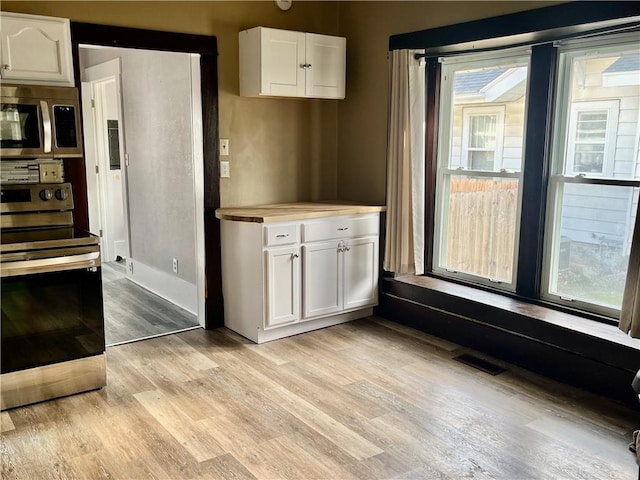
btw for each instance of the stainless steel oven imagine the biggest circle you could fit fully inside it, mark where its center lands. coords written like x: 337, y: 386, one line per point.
x: 39, y: 122
x: 52, y: 329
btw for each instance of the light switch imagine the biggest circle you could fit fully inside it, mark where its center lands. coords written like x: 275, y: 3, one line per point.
x: 224, y: 147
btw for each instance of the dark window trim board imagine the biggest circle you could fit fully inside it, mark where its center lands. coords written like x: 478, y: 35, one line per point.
x: 521, y: 28
x: 207, y: 48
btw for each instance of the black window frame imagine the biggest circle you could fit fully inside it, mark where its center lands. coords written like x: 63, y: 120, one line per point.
x: 539, y: 29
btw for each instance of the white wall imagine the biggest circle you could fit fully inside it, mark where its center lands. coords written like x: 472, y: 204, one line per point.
x: 156, y: 88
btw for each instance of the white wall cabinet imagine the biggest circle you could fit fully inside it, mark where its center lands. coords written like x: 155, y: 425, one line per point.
x: 35, y: 50
x: 281, y: 279
x: 285, y: 63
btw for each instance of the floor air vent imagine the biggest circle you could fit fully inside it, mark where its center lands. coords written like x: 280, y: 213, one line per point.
x: 480, y: 364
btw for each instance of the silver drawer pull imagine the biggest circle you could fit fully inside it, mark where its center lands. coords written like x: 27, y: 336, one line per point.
x: 282, y: 235
x: 343, y: 229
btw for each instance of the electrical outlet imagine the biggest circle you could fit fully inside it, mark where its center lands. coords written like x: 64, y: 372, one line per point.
x: 224, y: 147
x: 175, y: 265
x: 130, y: 266
x: 225, y: 171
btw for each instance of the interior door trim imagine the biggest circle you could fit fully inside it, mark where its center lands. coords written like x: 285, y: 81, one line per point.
x: 207, y: 47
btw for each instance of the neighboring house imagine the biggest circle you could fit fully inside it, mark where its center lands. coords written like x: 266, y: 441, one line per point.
x: 602, y: 139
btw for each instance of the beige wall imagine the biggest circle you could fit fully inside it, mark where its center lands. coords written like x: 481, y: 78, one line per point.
x: 289, y: 150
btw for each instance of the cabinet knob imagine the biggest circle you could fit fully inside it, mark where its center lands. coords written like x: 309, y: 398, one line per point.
x: 343, y: 229
x: 295, y: 255
x: 6, y: 66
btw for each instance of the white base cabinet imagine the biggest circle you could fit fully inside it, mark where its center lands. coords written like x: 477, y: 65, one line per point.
x: 281, y: 279
x: 35, y: 50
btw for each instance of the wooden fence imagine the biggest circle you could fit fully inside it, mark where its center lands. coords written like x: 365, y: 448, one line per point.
x: 482, y: 227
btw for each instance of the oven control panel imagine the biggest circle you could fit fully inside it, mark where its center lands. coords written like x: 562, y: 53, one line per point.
x: 41, y: 197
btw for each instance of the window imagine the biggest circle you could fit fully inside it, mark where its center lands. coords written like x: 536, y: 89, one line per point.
x: 480, y: 157
x: 537, y: 168
x: 593, y: 190
x: 591, y: 139
x: 482, y: 134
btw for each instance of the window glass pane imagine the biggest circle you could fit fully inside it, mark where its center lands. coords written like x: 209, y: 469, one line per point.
x: 591, y: 245
x: 480, y: 152
x: 602, y: 110
x: 481, y: 160
x: 482, y: 131
x: 481, y: 222
x: 591, y: 217
x: 589, y: 158
x: 592, y: 126
x: 487, y: 112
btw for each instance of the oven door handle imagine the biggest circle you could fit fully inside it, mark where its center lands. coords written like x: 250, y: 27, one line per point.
x: 46, y: 125
x: 47, y: 265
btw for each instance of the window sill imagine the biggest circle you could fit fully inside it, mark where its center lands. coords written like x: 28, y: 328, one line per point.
x: 575, y: 323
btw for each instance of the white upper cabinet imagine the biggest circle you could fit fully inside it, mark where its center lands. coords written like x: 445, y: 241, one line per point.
x: 283, y: 63
x: 35, y: 50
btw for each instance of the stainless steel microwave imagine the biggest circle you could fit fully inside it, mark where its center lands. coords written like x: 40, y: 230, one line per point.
x: 39, y: 122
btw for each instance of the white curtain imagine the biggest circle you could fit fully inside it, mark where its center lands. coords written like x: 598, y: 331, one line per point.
x: 630, y: 314
x: 404, y: 241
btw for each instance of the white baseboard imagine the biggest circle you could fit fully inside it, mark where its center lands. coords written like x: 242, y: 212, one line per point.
x: 165, y: 285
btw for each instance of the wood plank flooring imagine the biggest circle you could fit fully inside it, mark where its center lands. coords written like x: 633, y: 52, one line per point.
x: 132, y: 312
x: 365, y: 400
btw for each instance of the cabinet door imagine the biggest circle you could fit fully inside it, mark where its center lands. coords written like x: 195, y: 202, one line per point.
x: 283, y: 286
x: 322, y: 265
x: 361, y: 273
x: 36, y: 50
x: 283, y: 57
x: 326, y: 65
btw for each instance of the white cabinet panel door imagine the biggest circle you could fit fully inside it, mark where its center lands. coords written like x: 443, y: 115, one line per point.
x: 36, y: 50
x: 283, y: 286
x: 326, y: 65
x: 282, y: 58
x: 322, y: 265
x: 361, y: 273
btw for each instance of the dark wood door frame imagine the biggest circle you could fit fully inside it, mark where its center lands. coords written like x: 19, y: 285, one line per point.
x: 207, y: 48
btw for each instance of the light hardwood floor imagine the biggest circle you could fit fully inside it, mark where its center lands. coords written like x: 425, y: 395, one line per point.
x: 132, y: 312
x: 365, y: 400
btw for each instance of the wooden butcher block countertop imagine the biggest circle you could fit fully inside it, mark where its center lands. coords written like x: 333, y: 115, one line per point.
x: 285, y: 212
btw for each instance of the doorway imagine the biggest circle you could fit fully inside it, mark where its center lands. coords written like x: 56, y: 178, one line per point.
x: 209, y: 282
x: 143, y: 139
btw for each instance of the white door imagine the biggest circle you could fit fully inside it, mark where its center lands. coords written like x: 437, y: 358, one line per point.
x: 282, y: 59
x: 326, y: 63
x: 108, y: 169
x: 36, y: 50
x: 91, y: 160
x: 322, y: 266
x: 361, y: 273
x: 283, y: 286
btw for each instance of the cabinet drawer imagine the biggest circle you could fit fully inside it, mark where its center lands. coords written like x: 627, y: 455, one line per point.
x: 280, y: 235
x: 341, y: 227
